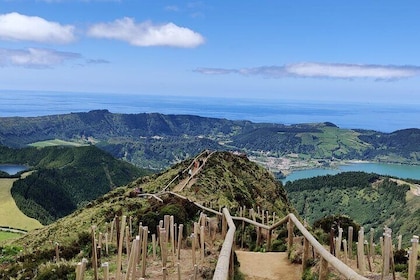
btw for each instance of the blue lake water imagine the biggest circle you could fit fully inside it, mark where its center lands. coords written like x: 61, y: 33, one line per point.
x: 12, y: 169
x: 380, y: 117
x: 396, y: 170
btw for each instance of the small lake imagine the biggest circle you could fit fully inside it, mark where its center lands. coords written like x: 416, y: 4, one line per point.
x: 12, y: 169
x: 396, y: 170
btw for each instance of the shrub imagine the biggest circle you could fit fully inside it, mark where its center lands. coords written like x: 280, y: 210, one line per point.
x: 399, y: 267
x: 278, y: 246
x: 57, y: 272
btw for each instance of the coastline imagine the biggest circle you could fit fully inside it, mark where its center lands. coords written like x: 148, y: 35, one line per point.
x: 292, y: 168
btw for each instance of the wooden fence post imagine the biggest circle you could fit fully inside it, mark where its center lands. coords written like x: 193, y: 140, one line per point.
x: 127, y: 241
x: 105, y: 268
x: 136, y: 255
x: 360, y: 250
x: 399, y: 242
x: 140, y: 247
x: 120, y: 247
x: 412, y: 263
x: 289, y: 235
x: 57, y: 252
x: 193, y: 237
x: 224, y: 226
x: 350, y: 241
x: 99, y: 249
x: 144, y: 252
x: 338, y: 242
x: 180, y: 235
x: 172, y: 235
x: 270, y: 232
x: 106, y: 244
x: 305, y: 255
x: 130, y: 222
x: 323, y: 269
x: 345, y: 251
x: 202, y: 243
x: 154, y: 246
x: 94, y: 254
x: 131, y: 265
x: 81, y: 267
x: 163, y: 246
x: 112, y: 230
x: 243, y: 228
x: 117, y: 230
x: 79, y: 271
x: 387, y: 251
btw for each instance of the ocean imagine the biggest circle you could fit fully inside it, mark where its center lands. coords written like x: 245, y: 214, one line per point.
x: 379, y: 117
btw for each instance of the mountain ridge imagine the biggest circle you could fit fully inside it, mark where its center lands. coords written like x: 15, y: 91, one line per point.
x: 157, y: 141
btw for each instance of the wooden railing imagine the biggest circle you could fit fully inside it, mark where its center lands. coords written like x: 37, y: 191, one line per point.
x: 224, y: 268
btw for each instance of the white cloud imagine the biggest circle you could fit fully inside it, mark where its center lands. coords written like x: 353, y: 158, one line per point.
x: 17, y: 27
x: 323, y: 70
x: 34, y: 57
x: 350, y: 71
x: 146, y: 34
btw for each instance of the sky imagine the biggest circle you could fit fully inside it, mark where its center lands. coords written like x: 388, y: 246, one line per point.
x: 349, y: 51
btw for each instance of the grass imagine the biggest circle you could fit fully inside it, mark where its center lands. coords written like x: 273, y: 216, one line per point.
x: 4, y: 235
x: 10, y: 215
x: 55, y: 142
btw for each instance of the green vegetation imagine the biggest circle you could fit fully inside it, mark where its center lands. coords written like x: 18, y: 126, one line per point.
x: 369, y: 199
x: 55, y: 142
x: 157, y: 141
x: 72, y: 232
x: 64, y: 178
x: 4, y: 235
x: 10, y: 214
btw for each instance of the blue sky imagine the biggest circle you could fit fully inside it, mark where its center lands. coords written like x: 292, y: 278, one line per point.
x: 355, y: 51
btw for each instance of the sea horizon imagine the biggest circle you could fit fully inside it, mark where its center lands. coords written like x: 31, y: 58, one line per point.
x: 349, y: 115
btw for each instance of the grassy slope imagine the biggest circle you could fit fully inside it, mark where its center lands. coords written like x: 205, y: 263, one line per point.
x: 65, y: 178
x: 10, y: 215
x: 371, y: 204
x: 263, y: 191
x: 333, y: 142
x: 55, y: 142
x: 4, y: 235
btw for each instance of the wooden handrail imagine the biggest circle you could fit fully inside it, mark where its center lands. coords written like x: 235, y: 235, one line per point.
x: 249, y: 221
x: 195, y: 203
x: 332, y: 260
x: 224, y: 260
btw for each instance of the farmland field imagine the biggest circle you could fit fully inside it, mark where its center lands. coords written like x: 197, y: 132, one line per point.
x: 10, y: 215
x: 56, y: 142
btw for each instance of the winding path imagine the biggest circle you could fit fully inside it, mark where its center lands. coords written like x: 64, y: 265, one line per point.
x: 268, y: 266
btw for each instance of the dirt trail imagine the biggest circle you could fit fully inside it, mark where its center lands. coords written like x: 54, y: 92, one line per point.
x: 267, y: 266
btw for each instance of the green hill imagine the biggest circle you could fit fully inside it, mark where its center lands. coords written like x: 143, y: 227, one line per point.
x: 225, y: 180
x: 369, y: 199
x: 64, y: 178
x: 157, y: 141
